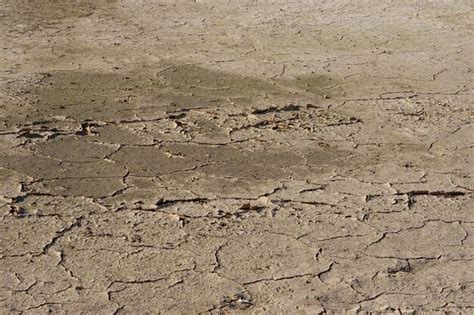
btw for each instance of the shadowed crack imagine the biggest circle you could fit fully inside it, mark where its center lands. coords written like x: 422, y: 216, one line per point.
x: 77, y: 223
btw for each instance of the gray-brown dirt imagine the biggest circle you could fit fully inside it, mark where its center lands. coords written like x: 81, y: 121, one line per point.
x: 261, y: 157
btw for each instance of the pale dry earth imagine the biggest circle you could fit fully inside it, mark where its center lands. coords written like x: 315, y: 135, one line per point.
x: 260, y: 157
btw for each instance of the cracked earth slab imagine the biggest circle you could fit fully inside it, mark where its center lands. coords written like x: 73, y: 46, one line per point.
x: 236, y: 157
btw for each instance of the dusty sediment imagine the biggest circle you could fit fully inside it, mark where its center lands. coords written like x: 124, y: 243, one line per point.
x: 236, y: 157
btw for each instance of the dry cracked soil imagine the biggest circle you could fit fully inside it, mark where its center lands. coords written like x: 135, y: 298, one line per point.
x: 254, y: 157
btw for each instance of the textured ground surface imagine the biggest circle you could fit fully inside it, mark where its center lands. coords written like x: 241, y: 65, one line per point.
x: 230, y: 156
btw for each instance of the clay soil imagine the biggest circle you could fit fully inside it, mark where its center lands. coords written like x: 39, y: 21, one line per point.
x: 254, y: 157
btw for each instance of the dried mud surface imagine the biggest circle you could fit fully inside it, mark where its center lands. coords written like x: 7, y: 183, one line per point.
x: 297, y: 157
